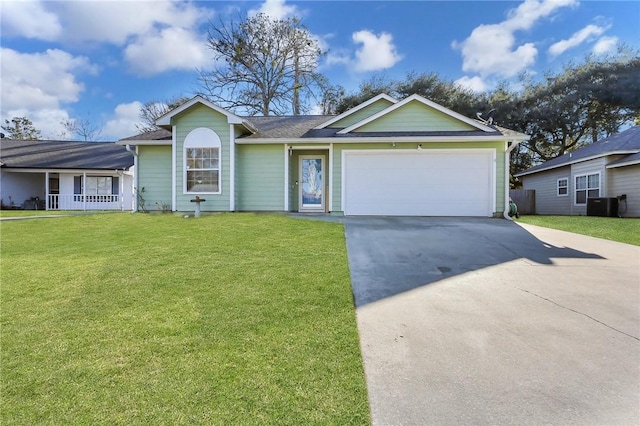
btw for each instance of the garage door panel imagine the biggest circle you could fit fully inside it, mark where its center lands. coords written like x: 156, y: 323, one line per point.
x: 452, y: 183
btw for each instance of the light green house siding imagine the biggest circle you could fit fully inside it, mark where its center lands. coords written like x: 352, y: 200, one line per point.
x: 336, y: 194
x: 415, y: 116
x: 193, y: 118
x: 260, y: 177
x: 360, y: 115
x: 154, y: 176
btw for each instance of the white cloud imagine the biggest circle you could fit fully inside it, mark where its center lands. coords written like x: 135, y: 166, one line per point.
x: 476, y: 84
x: 605, y: 45
x: 275, y: 9
x: 171, y: 48
x: 40, y: 80
x: 491, y: 49
x: 47, y: 120
x: 29, y: 19
x: 579, y: 37
x: 123, y: 123
x: 166, y: 29
x: 117, y: 22
x: 375, y: 52
x: 34, y: 85
x: 529, y: 12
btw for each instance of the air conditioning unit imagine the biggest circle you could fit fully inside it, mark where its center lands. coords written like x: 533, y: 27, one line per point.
x: 605, y: 207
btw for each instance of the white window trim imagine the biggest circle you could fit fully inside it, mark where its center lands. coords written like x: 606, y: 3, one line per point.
x: 558, y: 187
x: 575, y: 187
x: 201, y: 137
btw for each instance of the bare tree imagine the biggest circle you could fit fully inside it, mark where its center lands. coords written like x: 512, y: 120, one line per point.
x: 262, y: 66
x: 84, y: 128
x: 152, y: 110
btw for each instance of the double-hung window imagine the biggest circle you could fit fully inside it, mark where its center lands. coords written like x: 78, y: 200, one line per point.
x: 587, y: 186
x: 563, y: 187
x: 202, y: 155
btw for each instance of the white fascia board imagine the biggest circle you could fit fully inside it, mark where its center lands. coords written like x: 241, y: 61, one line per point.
x: 356, y: 109
x: 623, y: 164
x: 165, y: 120
x: 89, y: 172
x: 378, y: 139
x: 579, y: 160
x: 144, y: 142
x: 424, y: 101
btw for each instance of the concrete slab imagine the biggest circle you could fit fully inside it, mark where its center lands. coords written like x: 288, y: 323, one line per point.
x: 483, y: 321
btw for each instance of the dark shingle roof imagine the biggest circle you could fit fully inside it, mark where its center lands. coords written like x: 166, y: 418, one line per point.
x: 154, y: 135
x: 64, y: 155
x: 302, y: 126
x: 626, y: 142
x: 285, y: 127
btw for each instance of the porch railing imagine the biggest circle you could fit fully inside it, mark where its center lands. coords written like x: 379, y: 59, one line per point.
x: 84, y: 202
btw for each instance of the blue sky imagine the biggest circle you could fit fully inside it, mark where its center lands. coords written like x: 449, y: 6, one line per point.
x: 101, y: 60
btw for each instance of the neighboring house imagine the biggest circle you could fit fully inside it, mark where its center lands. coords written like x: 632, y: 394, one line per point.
x: 384, y: 157
x: 608, y: 168
x: 64, y: 175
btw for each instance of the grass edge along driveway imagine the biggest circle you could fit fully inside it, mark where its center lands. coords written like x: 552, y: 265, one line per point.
x: 622, y: 230
x: 224, y: 319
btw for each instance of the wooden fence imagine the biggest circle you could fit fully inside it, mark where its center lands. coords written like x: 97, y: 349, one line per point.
x: 525, y: 199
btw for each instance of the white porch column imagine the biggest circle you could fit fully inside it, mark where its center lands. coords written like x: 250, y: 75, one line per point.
x: 46, y: 190
x: 330, y: 194
x: 287, y: 152
x: 84, y: 190
x: 232, y: 168
x: 121, y: 195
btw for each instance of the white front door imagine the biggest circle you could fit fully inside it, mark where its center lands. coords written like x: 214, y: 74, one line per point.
x: 311, y: 183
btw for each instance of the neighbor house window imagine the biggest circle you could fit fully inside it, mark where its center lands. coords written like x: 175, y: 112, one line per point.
x: 202, y: 154
x: 587, y: 186
x: 563, y: 187
x: 99, y: 188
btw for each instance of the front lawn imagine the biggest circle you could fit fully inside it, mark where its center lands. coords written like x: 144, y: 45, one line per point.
x: 625, y: 230
x: 27, y: 213
x: 156, y: 319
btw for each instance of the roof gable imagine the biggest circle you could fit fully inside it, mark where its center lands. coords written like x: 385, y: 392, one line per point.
x: 626, y: 142
x: 165, y: 120
x: 416, y: 113
x: 360, y: 112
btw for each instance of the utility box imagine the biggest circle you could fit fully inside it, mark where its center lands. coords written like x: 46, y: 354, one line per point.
x: 605, y: 207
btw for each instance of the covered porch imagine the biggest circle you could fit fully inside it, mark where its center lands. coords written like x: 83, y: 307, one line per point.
x: 68, y: 190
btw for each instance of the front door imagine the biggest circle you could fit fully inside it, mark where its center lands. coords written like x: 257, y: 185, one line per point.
x: 312, y: 183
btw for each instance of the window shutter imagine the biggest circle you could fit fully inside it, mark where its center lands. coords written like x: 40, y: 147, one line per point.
x: 115, y: 187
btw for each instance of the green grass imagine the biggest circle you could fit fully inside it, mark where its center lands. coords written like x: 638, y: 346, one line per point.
x: 155, y: 319
x: 610, y: 228
x: 25, y: 213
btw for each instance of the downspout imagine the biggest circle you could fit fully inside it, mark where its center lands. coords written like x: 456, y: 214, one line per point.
x: 507, y: 164
x: 135, y: 175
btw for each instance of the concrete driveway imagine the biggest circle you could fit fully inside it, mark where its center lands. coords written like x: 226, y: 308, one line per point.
x: 483, y: 321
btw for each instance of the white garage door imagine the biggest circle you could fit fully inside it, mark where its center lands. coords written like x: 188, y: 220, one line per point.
x: 419, y: 182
